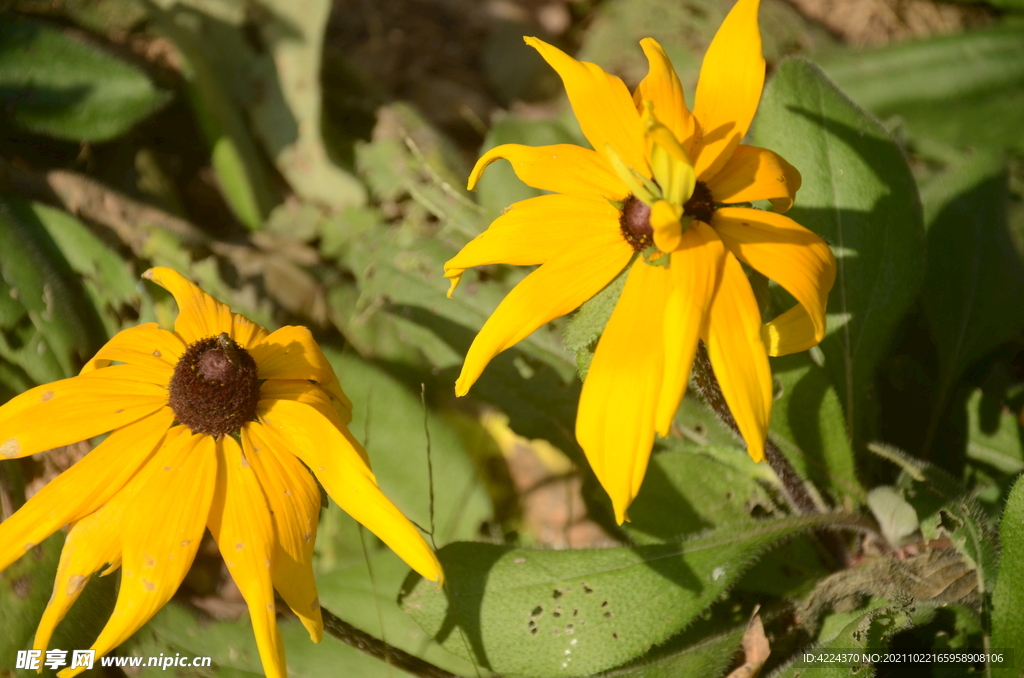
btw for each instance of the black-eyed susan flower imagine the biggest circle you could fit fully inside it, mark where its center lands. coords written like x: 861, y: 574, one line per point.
x: 218, y: 424
x: 653, y: 194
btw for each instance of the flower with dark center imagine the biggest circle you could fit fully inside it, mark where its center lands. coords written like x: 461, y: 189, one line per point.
x: 656, y: 173
x: 218, y: 424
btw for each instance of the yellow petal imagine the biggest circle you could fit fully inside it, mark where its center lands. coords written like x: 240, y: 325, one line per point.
x: 292, y: 353
x: 241, y: 525
x: 145, y: 346
x: 670, y: 164
x: 75, y: 409
x: 738, y: 356
x: 729, y: 89
x: 92, y: 542
x: 536, y: 230
x: 200, y: 315
x: 696, y: 268
x: 615, y: 423
x: 302, y: 391
x: 161, y: 530
x: 601, y: 102
x: 661, y: 86
x: 664, y: 219
x: 561, y: 168
x: 554, y: 289
x: 791, y: 332
x: 784, y: 251
x: 294, y: 501
x: 756, y: 174
x: 337, y: 460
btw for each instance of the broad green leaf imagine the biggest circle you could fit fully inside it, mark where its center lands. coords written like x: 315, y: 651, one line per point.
x: 61, y: 86
x: 974, y: 285
x: 60, y: 328
x: 965, y: 89
x: 1008, y: 594
x: 809, y: 427
x: 232, y: 648
x: 389, y: 421
x: 995, y: 451
x: 364, y: 594
x: 106, y: 276
x: 895, y: 516
x: 571, y: 613
x: 241, y: 172
x: 587, y: 325
x: 499, y: 187
x: 859, y: 195
x: 705, y: 659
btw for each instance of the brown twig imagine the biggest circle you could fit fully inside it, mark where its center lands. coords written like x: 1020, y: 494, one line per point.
x: 374, y: 647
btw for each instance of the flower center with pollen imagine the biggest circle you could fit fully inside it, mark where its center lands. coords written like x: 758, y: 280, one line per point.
x: 701, y: 205
x: 215, y: 387
x: 635, y: 224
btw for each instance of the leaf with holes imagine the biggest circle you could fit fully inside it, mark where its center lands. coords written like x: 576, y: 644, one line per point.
x: 857, y: 194
x: 572, y: 613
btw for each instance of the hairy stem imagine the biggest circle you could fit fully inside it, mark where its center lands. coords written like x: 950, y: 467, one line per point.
x: 374, y: 647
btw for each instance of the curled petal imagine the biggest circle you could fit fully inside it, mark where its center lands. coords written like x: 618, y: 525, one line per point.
x: 738, y: 356
x: 661, y: 86
x: 200, y: 315
x: 554, y: 289
x: 791, y: 332
x: 561, y: 168
x: 756, y: 174
x: 75, y: 409
x: 668, y: 231
x: 240, y: 524
x: 615, y: 422
x: 536, y: 230
x: 784, y: 251
x: 729, y: 89
x: 601, y: 102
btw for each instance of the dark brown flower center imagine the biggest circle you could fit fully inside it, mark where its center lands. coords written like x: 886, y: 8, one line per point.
x: 635, y: 224
x: 215, y: 387
x: 701, y: 205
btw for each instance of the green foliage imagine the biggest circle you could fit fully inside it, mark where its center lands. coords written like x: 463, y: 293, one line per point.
x: 50, y: 325
x: 861, y: 198
x: 557, y: 613
x: 61, y: 86
x: 1008, y: 594
x: 978, y: 76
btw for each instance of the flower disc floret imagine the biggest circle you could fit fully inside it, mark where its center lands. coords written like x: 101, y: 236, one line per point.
x: 215, y: 388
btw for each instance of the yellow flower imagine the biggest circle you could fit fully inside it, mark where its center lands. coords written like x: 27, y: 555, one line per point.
x: 655, y: 191
x: 216, y: 425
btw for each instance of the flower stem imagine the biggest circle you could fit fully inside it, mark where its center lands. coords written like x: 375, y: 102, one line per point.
x: 374, y: 647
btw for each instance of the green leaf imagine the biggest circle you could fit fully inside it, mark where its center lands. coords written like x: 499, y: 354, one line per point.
x: 895, y: 516
x: 60, y: 328
x: 808, y: 426
x: 1008, y: 594
x: 974, y: 285
x: 241, y: 171
x: 61, y: 86
x: 965, y: 89
x: 587, y: 325
x: 994, y: 435
x: 857, y: 194
x: 707, y: 658
x: 389, y: 420
x: 571, y: 613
